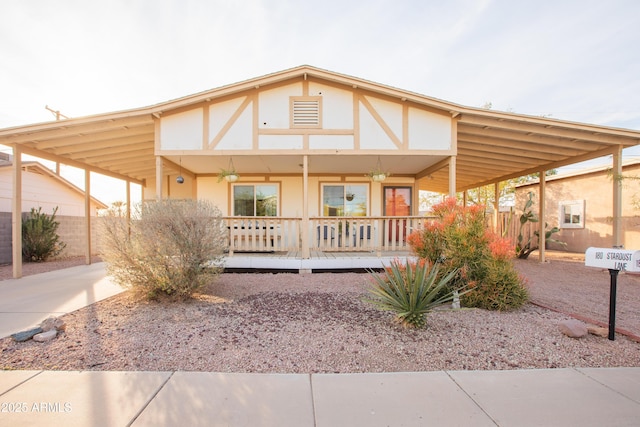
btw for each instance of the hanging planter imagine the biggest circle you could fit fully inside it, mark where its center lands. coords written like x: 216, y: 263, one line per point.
x: 378, y: 174
x: 229, y: 175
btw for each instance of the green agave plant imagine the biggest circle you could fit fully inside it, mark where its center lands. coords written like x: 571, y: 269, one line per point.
x: 410, y: 290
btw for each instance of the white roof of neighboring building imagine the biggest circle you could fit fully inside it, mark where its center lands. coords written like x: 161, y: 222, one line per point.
x: 35, y: 167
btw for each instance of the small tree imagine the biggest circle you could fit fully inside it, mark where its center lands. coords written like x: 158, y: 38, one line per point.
x: 170, y: 247
x: 40, y: 240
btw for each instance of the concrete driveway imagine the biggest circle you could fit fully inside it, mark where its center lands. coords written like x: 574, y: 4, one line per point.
x: 26, y: 302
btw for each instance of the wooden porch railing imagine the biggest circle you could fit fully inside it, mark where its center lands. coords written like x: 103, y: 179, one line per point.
x: 338, y: 234
x: 263, y: 234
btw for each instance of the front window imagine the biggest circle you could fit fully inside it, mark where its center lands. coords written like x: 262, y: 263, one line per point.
x: 572, y: 214
x: 255, y: 200
x: 345, y: 199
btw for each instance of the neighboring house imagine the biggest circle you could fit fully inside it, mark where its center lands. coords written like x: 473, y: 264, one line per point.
x: 306, y: 143
x: 42, y: 188
x: 580, y: 204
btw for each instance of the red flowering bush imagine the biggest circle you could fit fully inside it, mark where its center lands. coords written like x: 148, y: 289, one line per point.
x: 459, y: 240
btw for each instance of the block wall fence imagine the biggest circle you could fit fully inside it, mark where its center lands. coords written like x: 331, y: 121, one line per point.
x: 71, y: 231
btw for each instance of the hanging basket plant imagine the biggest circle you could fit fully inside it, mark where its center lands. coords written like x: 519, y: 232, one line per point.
x: 378, y: 174
x: 230, y: 174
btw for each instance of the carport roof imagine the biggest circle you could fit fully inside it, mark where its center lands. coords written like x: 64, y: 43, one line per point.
x: 491, y: 145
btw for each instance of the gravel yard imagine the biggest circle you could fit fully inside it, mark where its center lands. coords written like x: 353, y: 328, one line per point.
x: 292, y: 323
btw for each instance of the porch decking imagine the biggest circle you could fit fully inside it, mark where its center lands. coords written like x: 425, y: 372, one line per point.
x: 319, y: 260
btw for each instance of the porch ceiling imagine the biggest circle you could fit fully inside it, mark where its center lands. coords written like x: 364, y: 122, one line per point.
x: 495, y: 146
x: 351, y: 164
x: 120, y: 145
x: 491, y: 146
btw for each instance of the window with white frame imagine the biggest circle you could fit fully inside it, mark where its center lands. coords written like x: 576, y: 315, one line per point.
x: 345, y: 199
x: 255, y: 199
x: 571, y: 214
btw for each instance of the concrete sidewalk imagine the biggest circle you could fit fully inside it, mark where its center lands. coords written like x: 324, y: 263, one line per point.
x: 554, y: 397
x: 26, y: 302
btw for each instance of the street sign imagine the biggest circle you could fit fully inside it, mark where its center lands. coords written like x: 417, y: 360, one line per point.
x: 613, y: 259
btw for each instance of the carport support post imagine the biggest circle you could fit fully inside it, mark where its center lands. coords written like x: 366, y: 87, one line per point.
x: 16, y: 214
x: 612, y: 303
x: 87, y: 215
x: 306, y: 253
x: 542, y: 241
x: 158, y: 178
x: 452, y: 176
x: 128, y: 207
x: 496, y: 206
x: 618, y: 240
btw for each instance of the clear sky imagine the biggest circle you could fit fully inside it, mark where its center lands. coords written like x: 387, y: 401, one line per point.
x: 568, y: 59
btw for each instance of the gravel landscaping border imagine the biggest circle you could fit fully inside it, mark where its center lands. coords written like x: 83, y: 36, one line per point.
x: 308, y: 323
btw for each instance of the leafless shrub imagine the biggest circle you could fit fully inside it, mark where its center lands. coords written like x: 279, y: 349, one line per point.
x: 169, y: 247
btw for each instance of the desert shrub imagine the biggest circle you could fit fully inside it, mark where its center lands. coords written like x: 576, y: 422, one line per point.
x: 460, y: 241
x: 40, y: 239
x: 410, y: 290
x: 169, y: 247
x: 501, y: 288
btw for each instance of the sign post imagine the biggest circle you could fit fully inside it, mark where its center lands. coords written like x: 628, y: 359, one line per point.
x: 615, y: 260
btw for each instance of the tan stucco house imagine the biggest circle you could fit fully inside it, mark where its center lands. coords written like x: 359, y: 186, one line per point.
x: 305, y: 143
x: 579, y: 204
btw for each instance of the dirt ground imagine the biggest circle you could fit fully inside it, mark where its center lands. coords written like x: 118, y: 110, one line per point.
x: 565, y: 284
x: 306, y: 323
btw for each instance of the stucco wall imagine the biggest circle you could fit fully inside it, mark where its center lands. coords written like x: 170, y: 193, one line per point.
x: 596, y: 189
x: 208, y: 188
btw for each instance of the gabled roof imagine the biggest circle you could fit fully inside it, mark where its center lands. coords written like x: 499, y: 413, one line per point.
x: 39, y: 168
x: 491, y: 145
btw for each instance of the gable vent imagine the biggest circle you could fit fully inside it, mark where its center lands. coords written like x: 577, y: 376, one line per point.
x: 305, y: 111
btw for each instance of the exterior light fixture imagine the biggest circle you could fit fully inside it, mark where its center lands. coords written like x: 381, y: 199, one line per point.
x: 180, y: 179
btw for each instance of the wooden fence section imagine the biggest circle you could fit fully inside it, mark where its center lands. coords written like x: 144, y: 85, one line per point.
x: 509, y: 227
